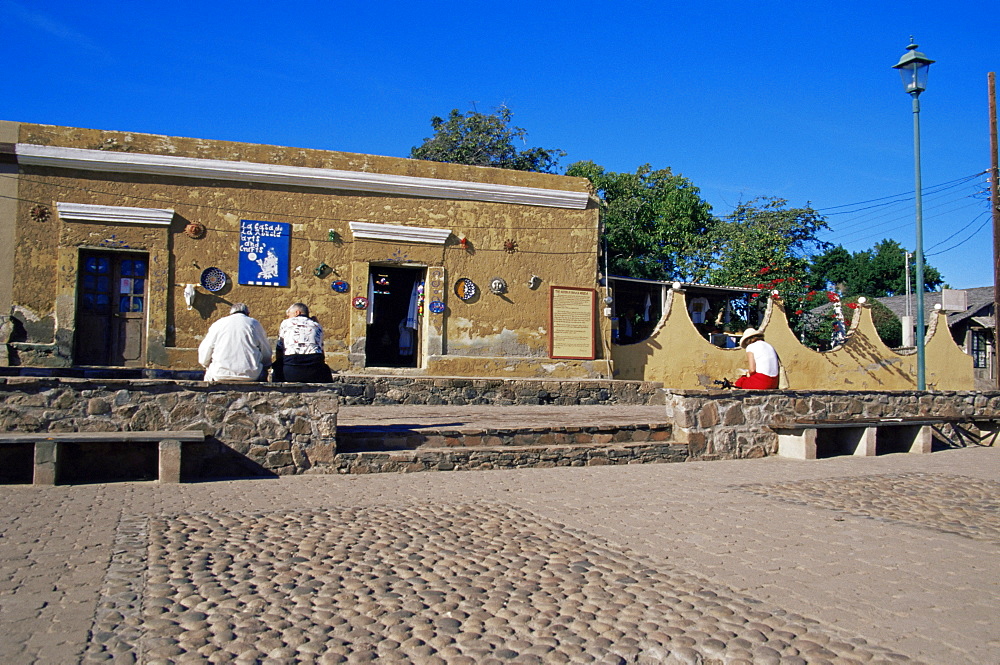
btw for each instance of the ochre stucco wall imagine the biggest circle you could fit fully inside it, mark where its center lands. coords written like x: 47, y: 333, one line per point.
x: 507, y: 335
x: 676, y: 355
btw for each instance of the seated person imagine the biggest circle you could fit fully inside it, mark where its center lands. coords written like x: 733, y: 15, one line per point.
x: 235, y: 348
x: 763, y: 359
x: 300, y: 348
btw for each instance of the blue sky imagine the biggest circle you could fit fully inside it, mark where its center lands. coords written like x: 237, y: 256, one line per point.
x: 789, y: 99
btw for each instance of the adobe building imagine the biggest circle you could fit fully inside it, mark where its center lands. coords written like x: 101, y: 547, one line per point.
x: 120, y: 249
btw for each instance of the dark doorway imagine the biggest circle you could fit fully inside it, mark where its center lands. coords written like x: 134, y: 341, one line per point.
x: 111, y: 309
x: 393, y: 331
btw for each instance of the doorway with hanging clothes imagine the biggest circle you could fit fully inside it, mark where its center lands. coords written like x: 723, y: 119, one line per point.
x: 393, y: 335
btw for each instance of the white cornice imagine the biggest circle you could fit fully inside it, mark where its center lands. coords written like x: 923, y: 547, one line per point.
x: 84, y: 212
x: 367, y: 231
x: 298, y: 176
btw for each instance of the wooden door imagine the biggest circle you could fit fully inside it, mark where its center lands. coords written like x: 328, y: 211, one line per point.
x: 111, y: 309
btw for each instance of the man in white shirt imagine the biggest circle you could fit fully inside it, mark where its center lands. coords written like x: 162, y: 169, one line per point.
x: 236, y: 348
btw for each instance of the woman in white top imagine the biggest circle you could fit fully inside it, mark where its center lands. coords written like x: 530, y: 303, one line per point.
x: 300, y: 348
x: 764, y: 365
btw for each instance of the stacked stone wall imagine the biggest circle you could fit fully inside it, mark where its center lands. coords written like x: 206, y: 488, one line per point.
x: 735, y: 424
x: 375, y: 390
x: 261, y: 428
x: 253, y: 429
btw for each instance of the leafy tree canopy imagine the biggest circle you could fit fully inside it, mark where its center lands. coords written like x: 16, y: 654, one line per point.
x: 764, y: 240
x: 876, y: 272
x: 656, y: 225
x: 481, y: 139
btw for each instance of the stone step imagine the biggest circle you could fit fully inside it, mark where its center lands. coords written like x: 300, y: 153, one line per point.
x: 509, y: 457
x: 379, y: 438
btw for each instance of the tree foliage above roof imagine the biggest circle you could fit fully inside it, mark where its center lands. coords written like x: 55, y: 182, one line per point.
x: 481, y: 139
x: 656, y: 225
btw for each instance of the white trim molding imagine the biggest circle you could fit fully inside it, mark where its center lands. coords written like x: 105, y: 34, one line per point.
x: 298, y: 176
x: 368, y: 231
x: 85, y: 212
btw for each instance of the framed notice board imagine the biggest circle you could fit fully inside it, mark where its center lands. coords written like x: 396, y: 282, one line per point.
x: 571, y: 322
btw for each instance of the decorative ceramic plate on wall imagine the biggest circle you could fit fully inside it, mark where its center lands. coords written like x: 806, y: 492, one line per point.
x: 340, y: 286
x: 465, y: 288
x: 436, y: 307
x: 213, y: 279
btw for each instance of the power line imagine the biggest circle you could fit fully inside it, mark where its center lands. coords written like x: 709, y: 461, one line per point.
x: 971, y: 236
x: 889, y: 216
x: 910, y: 194
x: 976, y: 219
x: 905, y: 220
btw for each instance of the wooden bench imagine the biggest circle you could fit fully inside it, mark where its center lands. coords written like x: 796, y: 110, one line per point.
x: 47, y: 444
x: 808, y: 439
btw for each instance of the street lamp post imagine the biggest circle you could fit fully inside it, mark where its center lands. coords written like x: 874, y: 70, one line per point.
x: 913, y: 67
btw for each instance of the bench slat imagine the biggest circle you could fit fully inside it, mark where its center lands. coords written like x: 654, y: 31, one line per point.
x: 187, y: 436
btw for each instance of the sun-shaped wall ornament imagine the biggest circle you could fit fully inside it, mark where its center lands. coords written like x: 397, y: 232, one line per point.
x: 510, y: 245
x: 195, y: 230
x: 41, y: 213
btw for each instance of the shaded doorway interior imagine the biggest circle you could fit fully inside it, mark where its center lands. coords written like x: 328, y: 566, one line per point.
x: 393, y: 335
x: 111, y: 309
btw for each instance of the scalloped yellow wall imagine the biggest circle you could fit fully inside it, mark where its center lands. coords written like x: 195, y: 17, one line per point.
x: 679, y: 357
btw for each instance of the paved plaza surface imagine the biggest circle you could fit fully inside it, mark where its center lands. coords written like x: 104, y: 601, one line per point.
x: 847, y: 560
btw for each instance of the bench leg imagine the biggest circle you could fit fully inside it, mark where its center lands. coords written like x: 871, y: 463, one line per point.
x: 923, y: 440
x: 866, y: 443
x: 170, y: 461
x: 797, y: 443
x: 46, y: 462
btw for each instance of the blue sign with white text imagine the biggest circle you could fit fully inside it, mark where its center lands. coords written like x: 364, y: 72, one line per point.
x: 264, y: 253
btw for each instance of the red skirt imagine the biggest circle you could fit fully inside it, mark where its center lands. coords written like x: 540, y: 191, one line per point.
x: 757, y: 381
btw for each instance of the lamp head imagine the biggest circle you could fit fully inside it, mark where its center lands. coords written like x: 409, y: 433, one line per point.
x: 913, y: 68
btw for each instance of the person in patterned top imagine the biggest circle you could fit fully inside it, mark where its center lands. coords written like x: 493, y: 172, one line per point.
x: 300, y: 354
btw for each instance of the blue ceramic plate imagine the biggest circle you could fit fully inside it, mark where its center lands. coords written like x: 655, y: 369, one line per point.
x: 213, y: 279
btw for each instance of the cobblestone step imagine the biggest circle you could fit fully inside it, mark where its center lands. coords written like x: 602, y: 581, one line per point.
x: 463, y: 458
x: 375, y: 438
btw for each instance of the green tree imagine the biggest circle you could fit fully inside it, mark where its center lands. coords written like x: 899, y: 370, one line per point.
x: 481, y: 139
x: 656, y: 225
x: 829, y: 269
x: 876, y: 272
x: 764, y: 241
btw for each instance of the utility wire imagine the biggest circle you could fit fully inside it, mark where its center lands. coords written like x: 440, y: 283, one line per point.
x: 909, y: 194
x: 971, y: 236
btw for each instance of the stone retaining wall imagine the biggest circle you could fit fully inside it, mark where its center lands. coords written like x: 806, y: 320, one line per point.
x: 262, y: 428
x: 510, y: 457
x: 253, y: 429
x: 734, y: 424
x: 361, y: 389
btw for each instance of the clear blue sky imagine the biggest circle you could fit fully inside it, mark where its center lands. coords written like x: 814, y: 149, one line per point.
x: 789, y: 99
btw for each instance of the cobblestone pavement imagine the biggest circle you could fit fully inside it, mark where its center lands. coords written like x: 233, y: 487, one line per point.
x: 844, y: 560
